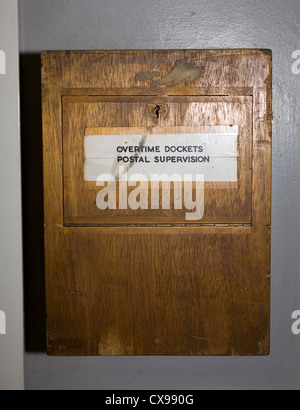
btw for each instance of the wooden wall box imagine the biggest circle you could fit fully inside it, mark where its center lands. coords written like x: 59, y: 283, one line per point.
x: 151, y: 281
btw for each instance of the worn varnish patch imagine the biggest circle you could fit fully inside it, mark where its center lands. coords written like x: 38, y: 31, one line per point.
x: 182, y: 71
x: 264, y: 346
x: 111, y: 345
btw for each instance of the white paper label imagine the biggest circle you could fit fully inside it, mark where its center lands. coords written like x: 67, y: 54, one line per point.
x: 213, y: 155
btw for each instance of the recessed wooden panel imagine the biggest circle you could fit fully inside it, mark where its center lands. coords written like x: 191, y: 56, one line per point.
x: 224, y: 203
x: 147, y: 281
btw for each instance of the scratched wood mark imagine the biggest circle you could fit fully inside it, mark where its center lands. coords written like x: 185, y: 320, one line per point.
x: 150, y: 281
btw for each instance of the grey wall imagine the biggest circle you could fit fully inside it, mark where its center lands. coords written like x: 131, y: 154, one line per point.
x: 136, y: 24
x: 11, y: 270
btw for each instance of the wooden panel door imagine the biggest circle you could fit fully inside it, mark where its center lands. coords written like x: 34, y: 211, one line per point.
x: 149, y: 281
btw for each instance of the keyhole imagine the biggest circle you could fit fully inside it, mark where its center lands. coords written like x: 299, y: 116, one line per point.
x: 157, y: 109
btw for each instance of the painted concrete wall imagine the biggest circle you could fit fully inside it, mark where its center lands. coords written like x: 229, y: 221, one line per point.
x: 11, y: 269
x: 148, y: 24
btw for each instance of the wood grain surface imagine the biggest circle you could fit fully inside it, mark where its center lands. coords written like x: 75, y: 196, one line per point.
x: 146, y: 282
